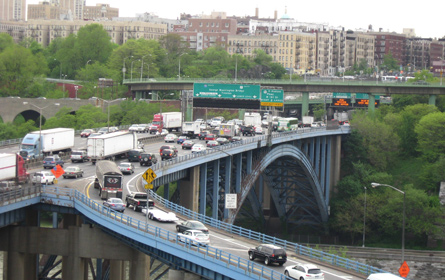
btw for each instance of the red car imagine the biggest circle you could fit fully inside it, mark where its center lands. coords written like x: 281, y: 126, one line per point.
x: 86, y: 132
x: 210, y: 137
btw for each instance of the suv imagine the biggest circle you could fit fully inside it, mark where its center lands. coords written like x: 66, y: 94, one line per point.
x: 148, y: 159
x: 248, y: 130
x: 79, y: 156
x: 171, y: 147
x: 202, y: 135
x: 52, y: 161
x: 43, y: 177
x: 268, y: 253
x: 168, y: 154
x: 135, y: 154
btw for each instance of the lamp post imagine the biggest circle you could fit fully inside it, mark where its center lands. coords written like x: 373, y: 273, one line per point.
x: 374, y: 185
x: 131, y: 76
x: 63, y: 80
x: 142, y: 65
x: 76, y: 88
x: 238, y: 50
x: 364, y: 221
x: 40, y: 121
x: 124, y: 69
x: 108, y: 105
x: 179, y: 66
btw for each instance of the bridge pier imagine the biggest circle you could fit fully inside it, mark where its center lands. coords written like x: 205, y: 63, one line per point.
x: 189, y: 190
x: 305, y: 104
x: 432, y: 99
x: 182, y: 275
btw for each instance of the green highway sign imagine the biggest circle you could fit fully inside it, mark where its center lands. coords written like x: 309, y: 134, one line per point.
x: 272, y: 97
x: 232, y: 91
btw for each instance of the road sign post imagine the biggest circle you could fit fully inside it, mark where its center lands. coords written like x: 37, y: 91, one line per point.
x: 149, y: 175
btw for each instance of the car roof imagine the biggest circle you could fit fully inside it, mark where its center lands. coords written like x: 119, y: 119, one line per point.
x: 271, y: 246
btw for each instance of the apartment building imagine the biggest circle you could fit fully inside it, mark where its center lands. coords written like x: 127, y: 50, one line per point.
x: 100, y: 11
x: 386, y: 43
x: 46, y: 10
x: 12, y: 10
x: 246, y: 45
x: 45, y: 31
x: 297, y: 51
x: 15, y: 29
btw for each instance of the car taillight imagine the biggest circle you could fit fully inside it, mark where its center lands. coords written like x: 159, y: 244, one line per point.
x: 139, y: 157
x: 112, y: 204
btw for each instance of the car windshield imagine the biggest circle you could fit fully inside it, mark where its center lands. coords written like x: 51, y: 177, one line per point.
x: 134, y: 153
x: 314, y: 271
x: 76, y: 153
x: 116, y: 200
x: 49, y: 159
x: 70, y: 169
x: 196, y: 225
x: 125, y: 164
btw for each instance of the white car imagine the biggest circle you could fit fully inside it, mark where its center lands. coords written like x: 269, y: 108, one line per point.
x: 198, y: 148
x: 304, y: 271
x: 258, y: 130
x: 194, y: 237
x: 43, y: 177
x: 134, y: 128
x: 159, y: 215
x: 163, y: 132
x: 170, y: 138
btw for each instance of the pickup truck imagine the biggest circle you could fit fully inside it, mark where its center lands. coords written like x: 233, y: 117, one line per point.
x: 138, y: 201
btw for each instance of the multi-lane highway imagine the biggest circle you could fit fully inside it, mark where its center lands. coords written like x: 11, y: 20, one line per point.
x: 219, y: 240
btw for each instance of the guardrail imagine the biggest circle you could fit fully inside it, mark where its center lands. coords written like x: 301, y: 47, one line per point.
x: 158, y: 236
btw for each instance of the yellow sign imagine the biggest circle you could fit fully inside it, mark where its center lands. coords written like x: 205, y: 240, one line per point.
x: 273, y: 104
x: 148, y: 186
x: 149, y: 175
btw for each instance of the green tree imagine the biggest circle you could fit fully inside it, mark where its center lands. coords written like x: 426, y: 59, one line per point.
x: 390, y: 63
x: 6, y: 41
x: 431, y: 135
x: 93, y: 43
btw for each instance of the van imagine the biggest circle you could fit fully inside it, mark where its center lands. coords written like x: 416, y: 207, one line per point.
x: 383, y: 276
x: 135, y: 154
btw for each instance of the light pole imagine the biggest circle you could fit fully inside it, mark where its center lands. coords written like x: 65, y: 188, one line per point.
x: 131, y: 76
x: 123, y: 68
x: 374, y: 185
x: 179, y: 67
x: 108, y: 105
x: 364, y: 221
x: 236, y: 59
x: 76, y: 88
x: 142, y: 65
x: 86, y: 65
x: 63, y: 80
x: 40, y: 122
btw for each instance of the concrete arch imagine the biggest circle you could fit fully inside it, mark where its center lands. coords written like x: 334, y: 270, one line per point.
x: 285, y: 150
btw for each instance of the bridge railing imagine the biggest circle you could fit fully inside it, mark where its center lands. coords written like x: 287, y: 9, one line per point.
x: 263, y: 238
x: 99, y: 213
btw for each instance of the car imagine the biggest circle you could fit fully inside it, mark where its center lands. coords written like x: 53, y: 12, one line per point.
x: 181, y: 139
x: 43, y: 177
x: 148, y: 159
x: 235, y: 139
x: 191, y: 224
x: 168, y: 154
x: 86, y: 132
x: 198, y: 148
x: 103, y: 130
x: 115, y: 204
x: 212, y: 144
x: 134, y: 128
x: 126, y: 168
x: 143, y: 128
x: 187, y: 144
x: 258, y: 130
x: 73, y: 172
x: 170, y: 138
x: 135, y: 155
x: 222, y: 141
x: 163, y: 132
x: 202, y: 135
x: 113, y: 129
x: 268, y: 253
x: 304, y: 271
x: 79, y: 156
x: 247, y: 130
x: 171, y: 147
x: 383, y: 276
x: 201, y: 121
x: 194, y: 237
x: 209, y: 137
x: 52, y: 161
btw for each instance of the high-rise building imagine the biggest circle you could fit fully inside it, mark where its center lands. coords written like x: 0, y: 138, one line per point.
x: 12, y: 10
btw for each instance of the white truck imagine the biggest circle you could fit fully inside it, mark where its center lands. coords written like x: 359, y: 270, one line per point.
x: 307, y: 121
x: 111, y: 145
x: 228, y: 130
x: 252, y: 119
x: 341, y: 117
x: 169, y: 121
x: 49, y: 141
x: 191, y: 129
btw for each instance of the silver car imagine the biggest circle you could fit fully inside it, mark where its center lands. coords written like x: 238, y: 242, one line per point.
x: 115, y: 204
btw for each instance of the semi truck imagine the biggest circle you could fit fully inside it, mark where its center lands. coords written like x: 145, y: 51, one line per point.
x: 13, y: 169
x: 252, y: 119
x: 169, y: 121
x: 111, y: 145
x: 191, y: 129
x: 49, y: 141
x: 228, y: 130
x: 109, y: 179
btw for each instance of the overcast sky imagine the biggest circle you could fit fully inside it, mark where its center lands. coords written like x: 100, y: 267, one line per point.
x: 424, y: 17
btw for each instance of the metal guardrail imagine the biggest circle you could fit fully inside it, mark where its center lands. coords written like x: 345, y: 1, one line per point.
x: 156, y: 235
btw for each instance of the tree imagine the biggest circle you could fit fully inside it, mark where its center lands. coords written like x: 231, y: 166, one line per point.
x: 390, y: 63
x: 5, y: 41
x: 431, y: 135
x: 93, y: 43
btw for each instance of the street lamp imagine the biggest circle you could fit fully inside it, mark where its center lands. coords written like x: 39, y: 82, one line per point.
x: 40, y: 122
x: 142, y: 65
x: 108, y: 105
x: 238, y: 50
x: 63, y: 80
x: 131, y: 76
x: 374, y: 185
x: 179, y: 67
x: 76, y: 88
x: 364, y: 221
x: 123, y: 68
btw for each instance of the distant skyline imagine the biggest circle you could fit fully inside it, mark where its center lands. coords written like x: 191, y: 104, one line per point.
x: 391, y: 16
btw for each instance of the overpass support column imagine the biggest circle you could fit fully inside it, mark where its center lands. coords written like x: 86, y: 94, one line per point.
x: 335, y: 159
x: 227, y: 181
x: 117, y: 270
x: 371, y: 104
x: 140, y: 266
x: 238, y: 172
x: 181, y: 275
x: 203, y: 188
x: 305, y: 104
x: 216, y: 165
x: 190, y: 190
x: 432, y: 99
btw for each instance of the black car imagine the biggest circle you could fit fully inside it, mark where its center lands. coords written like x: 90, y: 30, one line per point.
x: 135, y: 155
x: 190, y: 224
x: 268, y: 253
x: 247, y: 130
x: 168, y: 154
x: 188, y: 144
x: 52, y: 161
x: 222, y: 141
x: 148, y: 159
x: 202, y: 135
x: 171, y: 147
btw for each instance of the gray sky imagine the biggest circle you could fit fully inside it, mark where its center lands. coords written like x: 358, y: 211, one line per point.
x: 392, y: 16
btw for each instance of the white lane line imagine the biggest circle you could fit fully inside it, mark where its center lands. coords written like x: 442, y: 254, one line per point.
x: 132, y: 186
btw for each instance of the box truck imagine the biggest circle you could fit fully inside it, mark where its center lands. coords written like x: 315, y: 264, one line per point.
x: 111, y: 145
x: 252, y: 119
x: 191, y: 129
x: 49, y: 141
x: 170, y: 121
x: 228, y: 130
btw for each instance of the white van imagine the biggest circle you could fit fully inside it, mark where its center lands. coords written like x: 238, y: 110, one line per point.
x: 384, y: 276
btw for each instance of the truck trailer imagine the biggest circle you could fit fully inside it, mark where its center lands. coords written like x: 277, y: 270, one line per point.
x: 12, y: 169
x: 111, y: 145
x: 49, y: 141
x: 252, y: 119
x: 169, y: 121
x: 191, y: 129
x: 109, y: 179
x: 228, y: 130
